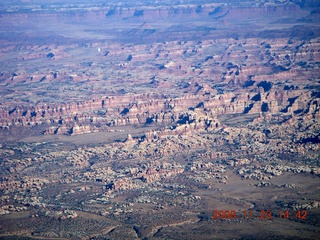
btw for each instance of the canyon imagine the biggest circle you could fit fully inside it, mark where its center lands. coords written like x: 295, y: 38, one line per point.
x: 126, y: 120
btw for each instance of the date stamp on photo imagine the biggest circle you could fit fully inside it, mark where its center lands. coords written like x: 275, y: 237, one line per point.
x: 262, y: 215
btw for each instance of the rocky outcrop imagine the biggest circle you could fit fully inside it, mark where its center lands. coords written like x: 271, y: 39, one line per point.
x: 97, y: 114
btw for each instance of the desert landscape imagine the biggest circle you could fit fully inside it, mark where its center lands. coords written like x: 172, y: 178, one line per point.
x: 160, y: 119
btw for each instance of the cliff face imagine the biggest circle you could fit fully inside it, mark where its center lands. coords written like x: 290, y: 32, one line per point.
x: 216, y: 77
x: 84, y: 117
x: 121, y: 21
x: 152, y: 14
x: 83, y: 86
x: 264, y: 12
